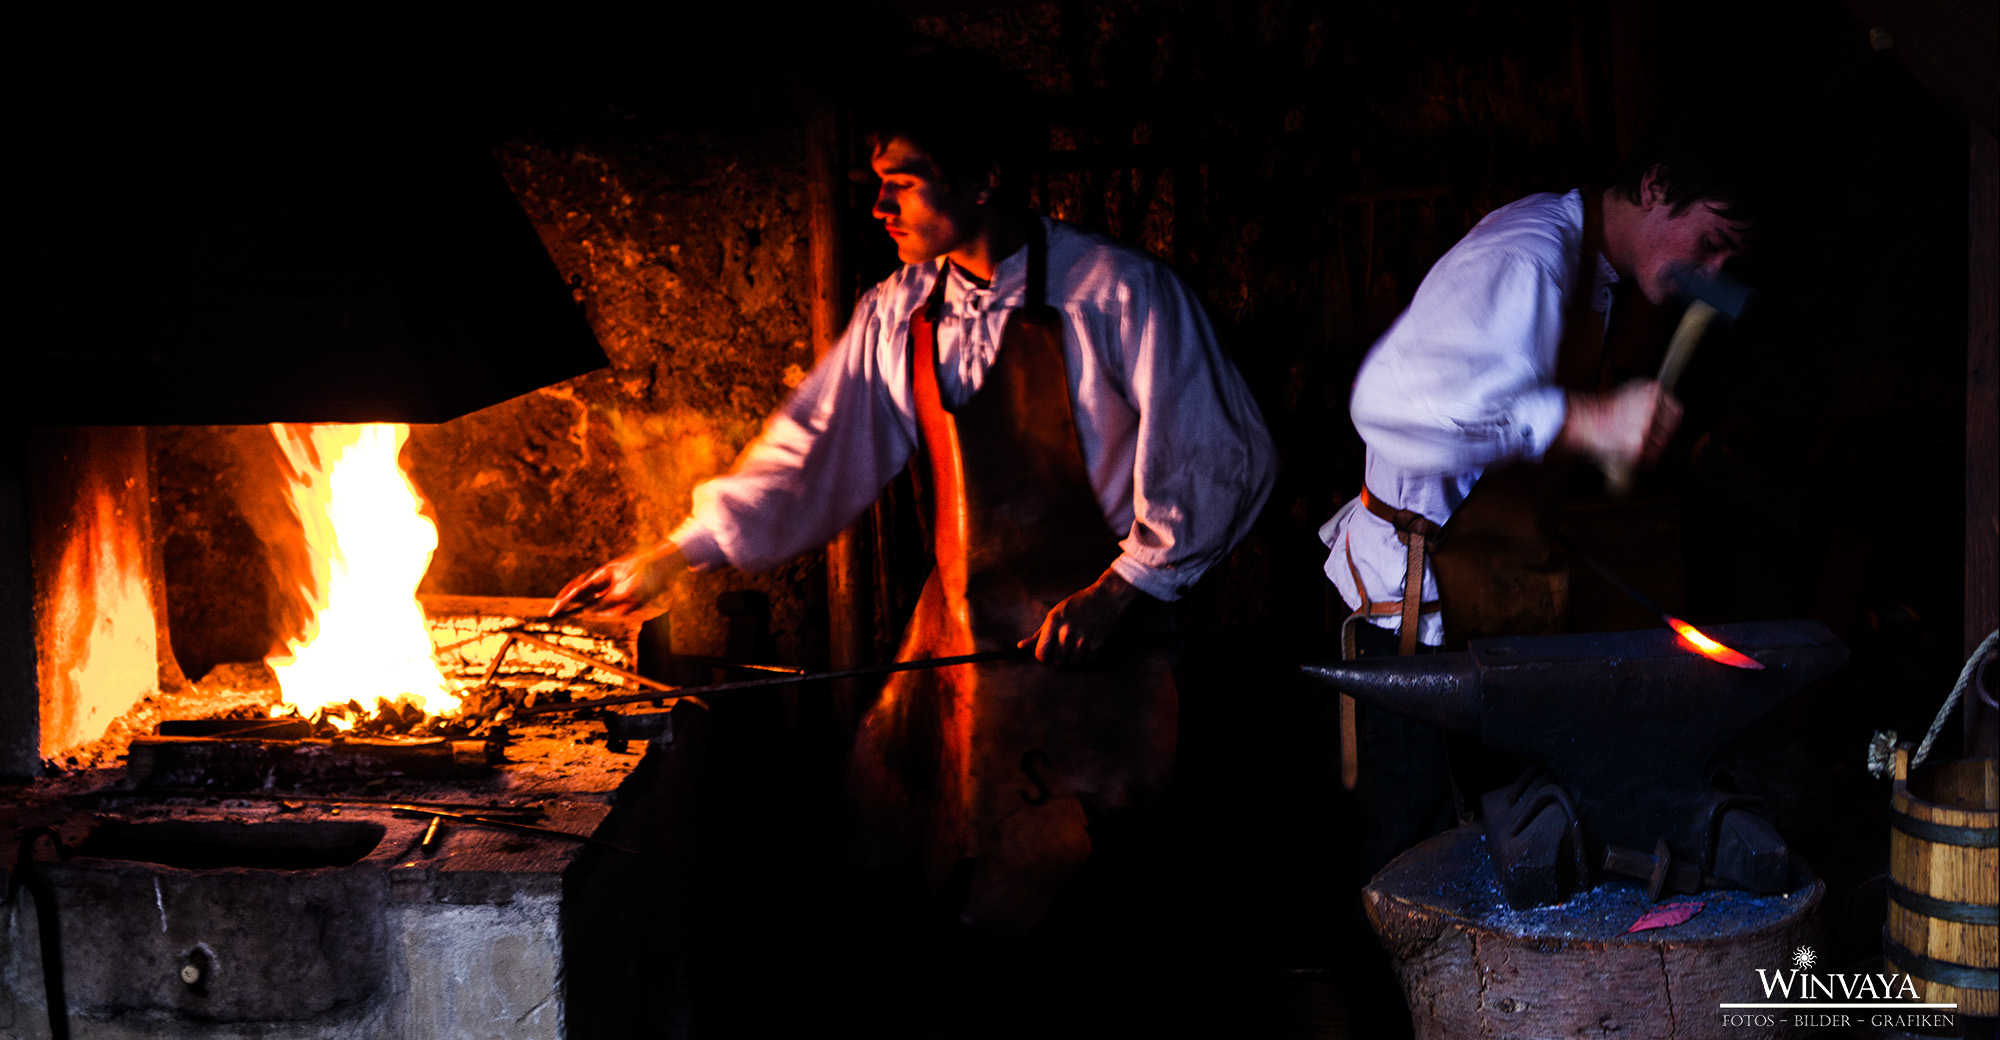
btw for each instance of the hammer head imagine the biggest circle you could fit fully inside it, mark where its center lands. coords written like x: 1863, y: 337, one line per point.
x: 1721, y: 290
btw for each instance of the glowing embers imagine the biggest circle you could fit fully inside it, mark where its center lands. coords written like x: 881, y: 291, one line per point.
x: 370, y: 545
x: 1695, y: 640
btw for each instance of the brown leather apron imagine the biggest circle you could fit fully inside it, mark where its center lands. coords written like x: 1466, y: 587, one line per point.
x: 1498, y: 569
x: 992, y: 766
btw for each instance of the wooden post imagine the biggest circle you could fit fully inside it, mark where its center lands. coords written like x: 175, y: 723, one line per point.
x: 849, y: 599
x: 1982, y: 429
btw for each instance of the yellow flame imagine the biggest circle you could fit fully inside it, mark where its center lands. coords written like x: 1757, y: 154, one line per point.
x: 370, y: 545
x: 104, y: 611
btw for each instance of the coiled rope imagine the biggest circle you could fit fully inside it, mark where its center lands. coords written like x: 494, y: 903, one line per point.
x: 1882, y: 749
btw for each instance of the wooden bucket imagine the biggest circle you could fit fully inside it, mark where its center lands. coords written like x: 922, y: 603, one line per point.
x: 1944, y: 924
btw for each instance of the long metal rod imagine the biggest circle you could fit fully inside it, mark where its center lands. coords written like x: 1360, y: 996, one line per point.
x: 480, y: 818
x: 1714, y: 651
x: 158, y: 794
x: 1652, y: 606
x: 509, y: 825
x: 668, y: 692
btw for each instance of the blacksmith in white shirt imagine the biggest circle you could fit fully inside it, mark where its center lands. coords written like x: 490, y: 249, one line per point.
x: 1496, y: 366
x: 1086, y: 451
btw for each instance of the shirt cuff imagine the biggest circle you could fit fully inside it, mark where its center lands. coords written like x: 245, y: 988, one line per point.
x: 1161, y: 585
x: 1537, y: 418
x: 698, y: 545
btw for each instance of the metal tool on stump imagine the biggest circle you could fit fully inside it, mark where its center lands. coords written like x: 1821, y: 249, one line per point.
x: 1627, y: 725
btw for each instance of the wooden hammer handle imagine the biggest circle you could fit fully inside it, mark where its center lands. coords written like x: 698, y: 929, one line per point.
x: 1680, y: 350
x: 1687, y: 336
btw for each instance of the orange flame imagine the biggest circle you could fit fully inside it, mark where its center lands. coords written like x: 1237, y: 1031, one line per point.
x: 1694, y: 639
x: 370, y: 545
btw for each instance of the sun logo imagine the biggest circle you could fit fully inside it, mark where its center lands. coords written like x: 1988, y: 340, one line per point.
x: 1804, y: 958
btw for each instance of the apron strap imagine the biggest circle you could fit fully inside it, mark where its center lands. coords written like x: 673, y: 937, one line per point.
x: 1407, y: 608
x: 1580, y: 357
x: 1038, y: 264
x: 1416, y: 531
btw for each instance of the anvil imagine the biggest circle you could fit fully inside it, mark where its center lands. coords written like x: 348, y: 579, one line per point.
x: 1628, y: 724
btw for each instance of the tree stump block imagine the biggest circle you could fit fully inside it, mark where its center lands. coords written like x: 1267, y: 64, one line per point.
x: 1471, y: 966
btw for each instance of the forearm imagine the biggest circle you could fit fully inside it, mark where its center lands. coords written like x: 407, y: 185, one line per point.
x: 817, y: 463
x: 1115, y: 593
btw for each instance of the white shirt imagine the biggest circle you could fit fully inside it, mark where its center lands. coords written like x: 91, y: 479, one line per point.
x: 1173, y: 444
x: 1464, y: 379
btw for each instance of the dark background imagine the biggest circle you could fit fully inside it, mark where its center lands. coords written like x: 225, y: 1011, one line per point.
x: 1300, y: 165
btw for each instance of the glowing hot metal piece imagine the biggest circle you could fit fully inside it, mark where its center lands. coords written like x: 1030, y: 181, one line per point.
x: 1694, y: 639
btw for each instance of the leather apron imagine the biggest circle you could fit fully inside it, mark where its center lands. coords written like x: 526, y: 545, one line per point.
x: 990, y: 768
x: 1499, y: 572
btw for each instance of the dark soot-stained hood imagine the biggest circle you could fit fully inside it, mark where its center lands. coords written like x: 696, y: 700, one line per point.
x: 345, y: 278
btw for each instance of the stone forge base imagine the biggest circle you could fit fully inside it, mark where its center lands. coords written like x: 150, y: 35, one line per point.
x: 1472, y: 967
x: 282, y: 919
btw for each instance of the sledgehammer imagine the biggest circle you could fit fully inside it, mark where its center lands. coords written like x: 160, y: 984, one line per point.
x: 1709, y: 297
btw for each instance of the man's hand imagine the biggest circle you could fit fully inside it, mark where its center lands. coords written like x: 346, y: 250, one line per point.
x: 1631, y: 424
x: 1080, y: 625
x: 623, y: 586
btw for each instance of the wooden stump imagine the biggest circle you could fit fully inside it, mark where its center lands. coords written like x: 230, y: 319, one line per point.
x: 1473, y: 967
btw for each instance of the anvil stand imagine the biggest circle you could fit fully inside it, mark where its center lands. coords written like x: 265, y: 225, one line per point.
x: 1471, y: 966
x: 1627, y: 725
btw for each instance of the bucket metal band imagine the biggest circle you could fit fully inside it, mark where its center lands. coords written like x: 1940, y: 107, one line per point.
x: 1943, y: 972
x: 1943, y: 909
x: 1945, y: 833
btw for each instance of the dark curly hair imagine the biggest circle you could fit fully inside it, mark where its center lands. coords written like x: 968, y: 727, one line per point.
x: 1733, y: 167
x: 964, y: 110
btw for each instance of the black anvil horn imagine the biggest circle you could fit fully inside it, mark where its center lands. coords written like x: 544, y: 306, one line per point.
x: 1628, y: 723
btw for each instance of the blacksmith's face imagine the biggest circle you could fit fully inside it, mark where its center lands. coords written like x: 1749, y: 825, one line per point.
x: 919, y: 209
x: 1697, y: 237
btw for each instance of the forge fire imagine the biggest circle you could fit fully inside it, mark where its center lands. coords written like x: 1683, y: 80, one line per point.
x: 369, y: 544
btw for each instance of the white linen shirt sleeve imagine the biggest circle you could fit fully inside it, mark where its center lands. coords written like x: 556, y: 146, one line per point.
x: 823, y: 457
x: 1202, y: 459
x: 1451, y: 388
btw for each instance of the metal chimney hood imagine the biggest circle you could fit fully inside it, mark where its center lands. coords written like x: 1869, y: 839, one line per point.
x: 155, y: 276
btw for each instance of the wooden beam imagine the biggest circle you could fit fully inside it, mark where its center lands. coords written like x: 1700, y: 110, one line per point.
x: 850, y: 604
x: 1982, y: 427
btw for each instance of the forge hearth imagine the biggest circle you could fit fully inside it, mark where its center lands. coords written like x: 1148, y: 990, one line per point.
x: 238, y: 764
x: 247, y: 876
x: 315, y: 911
